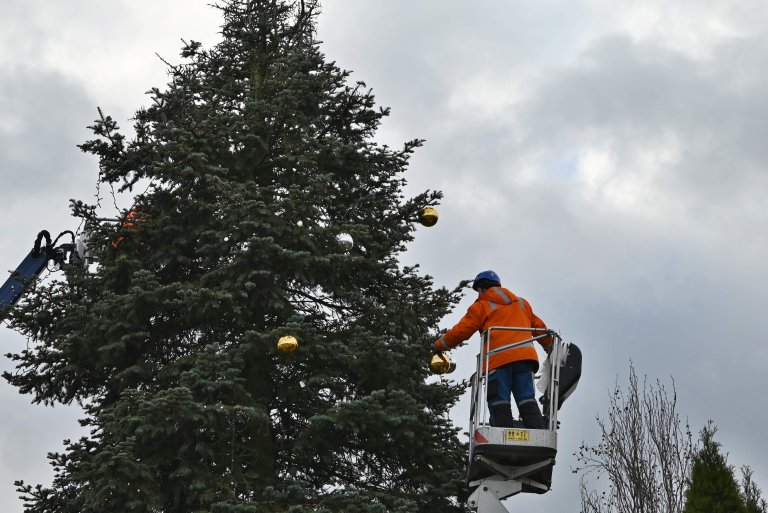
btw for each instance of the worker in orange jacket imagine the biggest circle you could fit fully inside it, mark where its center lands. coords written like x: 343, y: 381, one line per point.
x: 510, y: 372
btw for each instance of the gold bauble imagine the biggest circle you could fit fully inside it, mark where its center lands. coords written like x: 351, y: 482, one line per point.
x: 428, y: 216
x: 287, y: 344
x: 441, y: 364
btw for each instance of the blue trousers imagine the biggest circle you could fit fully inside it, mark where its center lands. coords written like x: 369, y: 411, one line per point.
x: 513, y: 379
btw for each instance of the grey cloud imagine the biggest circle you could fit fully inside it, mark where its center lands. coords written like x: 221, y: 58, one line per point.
x: 670, y: 284
x: 415, y: 54
x: 628, y: 93
x: 44, y: 118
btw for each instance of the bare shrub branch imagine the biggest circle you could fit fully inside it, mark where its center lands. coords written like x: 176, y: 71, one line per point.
x: 645, y: 453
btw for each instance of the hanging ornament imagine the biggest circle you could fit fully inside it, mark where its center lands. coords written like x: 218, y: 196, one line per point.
x: 441, y: 363
x: 345, y: 241
x: 428, y: 216
x: 287, y: 344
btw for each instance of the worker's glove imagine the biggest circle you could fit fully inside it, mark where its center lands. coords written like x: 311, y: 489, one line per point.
x: 435, y: 351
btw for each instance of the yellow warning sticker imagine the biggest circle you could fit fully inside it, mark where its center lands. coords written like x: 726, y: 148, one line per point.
x: 516, y: 435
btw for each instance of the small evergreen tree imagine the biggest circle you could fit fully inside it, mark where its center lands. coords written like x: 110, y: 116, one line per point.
x: 256, y: 156
x: 713, y: 487
x: 751, y: 493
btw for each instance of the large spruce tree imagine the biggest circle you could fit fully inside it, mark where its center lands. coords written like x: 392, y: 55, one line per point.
x: 245, y: 168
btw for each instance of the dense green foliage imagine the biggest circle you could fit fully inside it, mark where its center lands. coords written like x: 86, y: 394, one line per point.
x: 713, y: 487
x: 252, y: 160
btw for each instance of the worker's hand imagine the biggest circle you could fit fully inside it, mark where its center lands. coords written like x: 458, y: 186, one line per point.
x: 435, y: 351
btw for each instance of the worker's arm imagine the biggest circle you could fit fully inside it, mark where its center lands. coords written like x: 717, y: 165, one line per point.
x: 545, y: 342
x: 466, y: 327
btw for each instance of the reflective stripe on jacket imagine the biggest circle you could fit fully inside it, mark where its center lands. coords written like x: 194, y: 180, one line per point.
x: 498, y: 306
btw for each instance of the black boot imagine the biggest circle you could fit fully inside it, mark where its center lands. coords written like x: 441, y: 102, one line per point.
x: 502, y: 415
x: 531, y: 415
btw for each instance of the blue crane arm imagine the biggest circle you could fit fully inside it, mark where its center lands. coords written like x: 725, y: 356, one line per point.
x: 31, y: 267
x: 26, y: 273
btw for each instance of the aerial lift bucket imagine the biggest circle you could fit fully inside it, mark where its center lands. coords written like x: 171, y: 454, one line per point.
x: 505, y: 461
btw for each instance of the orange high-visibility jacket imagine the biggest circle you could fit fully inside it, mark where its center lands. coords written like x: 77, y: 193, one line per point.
x: 498, y: 306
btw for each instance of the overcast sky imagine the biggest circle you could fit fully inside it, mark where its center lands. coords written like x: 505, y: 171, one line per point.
x: 604, y: 157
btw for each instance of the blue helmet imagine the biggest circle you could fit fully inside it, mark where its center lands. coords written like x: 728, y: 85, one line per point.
x: 486, y: 278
